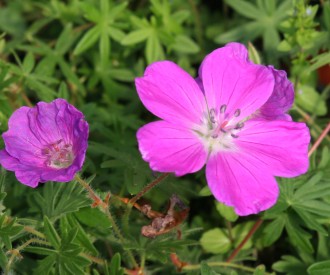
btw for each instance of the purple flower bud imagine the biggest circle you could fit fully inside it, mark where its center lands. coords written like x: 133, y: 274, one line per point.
x: 45, y: 143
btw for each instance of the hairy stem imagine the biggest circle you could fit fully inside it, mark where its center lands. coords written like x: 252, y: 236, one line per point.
x: 15, y: 253
x: 148, y: 188
x: 104, y: 207
x: 243, y: 242
x: 319, y: 140
x: 309, y: 120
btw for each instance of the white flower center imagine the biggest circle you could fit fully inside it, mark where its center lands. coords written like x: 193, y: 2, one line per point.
x: 219, y: 130
x: 58, y: 155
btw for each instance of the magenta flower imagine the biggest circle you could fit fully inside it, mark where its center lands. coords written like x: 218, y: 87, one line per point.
x: 45, y: 143
x: 233, y: 119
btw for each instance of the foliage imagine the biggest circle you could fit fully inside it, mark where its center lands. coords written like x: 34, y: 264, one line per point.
x: 89, y: 52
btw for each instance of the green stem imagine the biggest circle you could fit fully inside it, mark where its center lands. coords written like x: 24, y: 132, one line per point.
x: 220, y: 264
x: 105, y: 209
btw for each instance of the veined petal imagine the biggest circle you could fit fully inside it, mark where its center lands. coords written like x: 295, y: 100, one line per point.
x: 230, y: 79
x: 241, y: 181
x: 20, y: 141
x: 42, y: 120
x: 281, y: 145
x: 281, y: 100
x: 170, y: 93
x: 171, y: 148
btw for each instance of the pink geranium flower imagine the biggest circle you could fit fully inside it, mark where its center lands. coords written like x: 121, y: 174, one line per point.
x: 45, y: 143
x: 233, y: 119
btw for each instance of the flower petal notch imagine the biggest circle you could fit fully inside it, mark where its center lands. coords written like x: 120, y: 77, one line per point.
x: 45, y: 143
x: 233, y: 118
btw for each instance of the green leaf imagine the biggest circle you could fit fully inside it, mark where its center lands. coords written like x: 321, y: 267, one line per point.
x: 104, y: 47
x: 51, y: 233
x: 310, y: 100
x: 253, y: 54
x: 205, y: 192
x: 45, y: 265
x: 299, y: 237
x: 226, y: 211
x: 215, y: 241
x: 320, y: 60
x: 154, y: 50
x: 116, y: 34
x: 290, y: 266
x: 65, y: 40
x: 88, y: 40
x: 8, y: 229
x: 260, y: 270
x: 93, y: 217
x: 320, y: 268
x: 57, y: 199
x: 183, y: 44
x: 206, y: 270
x: 90, y: 12
x: 136, y: 36
x: 245, y: 8
x: 115, y: 265
x: 273, y: 230
x: 28, y: 63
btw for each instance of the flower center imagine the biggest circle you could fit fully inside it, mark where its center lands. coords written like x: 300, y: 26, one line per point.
x: 59, y: 155
x: 219, y: 129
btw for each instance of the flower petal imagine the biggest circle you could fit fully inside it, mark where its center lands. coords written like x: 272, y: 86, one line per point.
x: 42, y: 120
x: 171, y: 148
x: 281, y: 99
x: 26, y: 174
x: 20, y: 141
x: 281, y: 145
x: 242, y: 182
x: 170, y: 93
x: 230, y: 79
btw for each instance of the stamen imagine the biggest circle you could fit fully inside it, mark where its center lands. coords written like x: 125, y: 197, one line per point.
x: 212, y: 115
x: 215, y: 135
x: 239, y: 125
x: 237, y: 112
x: 223, y: 130
x: 223, y: 108
x: 234, y: 136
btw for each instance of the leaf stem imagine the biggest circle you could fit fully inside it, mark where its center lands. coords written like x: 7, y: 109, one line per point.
x: 319, y: 140
x: 247, y: 237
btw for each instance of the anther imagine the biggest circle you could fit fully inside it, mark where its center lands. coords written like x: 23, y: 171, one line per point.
x: 239, y: 125
x: 212, y: 115
x: 223, y: 130
x: 234, y: 136
x: 214, y: 136
x: 223, y: 108
x: 237, y: 112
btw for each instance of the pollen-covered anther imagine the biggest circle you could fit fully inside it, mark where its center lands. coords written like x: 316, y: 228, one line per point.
x: 223, y: 108
x: 237, y: 113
